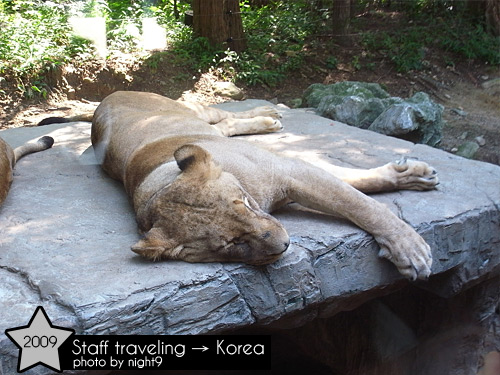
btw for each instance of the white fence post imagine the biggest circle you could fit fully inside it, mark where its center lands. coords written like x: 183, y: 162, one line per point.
x: 93, y: 29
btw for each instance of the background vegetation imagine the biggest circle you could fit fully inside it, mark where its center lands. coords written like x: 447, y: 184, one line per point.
x: 36, y: 38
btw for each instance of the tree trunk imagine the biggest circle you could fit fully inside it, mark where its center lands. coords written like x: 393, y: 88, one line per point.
x: 176, y: 10
x: 476, y: 8
x: 341, y: 17
x: 493, y: 16
x: 487, y: 11
x: 220, y: 22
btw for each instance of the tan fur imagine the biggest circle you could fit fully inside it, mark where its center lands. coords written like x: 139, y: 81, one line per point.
x: 6, y: 165
x: 202, y: 197
x: 9, y: 157
x: 491, y: 364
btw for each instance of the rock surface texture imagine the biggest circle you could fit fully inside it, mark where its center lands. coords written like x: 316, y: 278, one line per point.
x: 66, y: 229
x: 368, y: 106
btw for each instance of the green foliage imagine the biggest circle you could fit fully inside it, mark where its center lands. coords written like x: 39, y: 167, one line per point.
x: 471, y: 41
x: 407, y: 46
x: 35, y: 35
x: 276, y: 35
x: 332, y: 62
x: 123, y: 24
x: 95, y: 8
x: 30, y: 36
x: 165, y: 12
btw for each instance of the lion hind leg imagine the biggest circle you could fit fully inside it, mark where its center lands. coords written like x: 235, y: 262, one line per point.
x: 405, y: 174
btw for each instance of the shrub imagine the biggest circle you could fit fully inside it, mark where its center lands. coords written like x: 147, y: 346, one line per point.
x: 406, y: 46
x: 35, y: 38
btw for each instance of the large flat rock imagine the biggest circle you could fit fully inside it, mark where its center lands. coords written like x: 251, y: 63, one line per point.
x: 66, y: 229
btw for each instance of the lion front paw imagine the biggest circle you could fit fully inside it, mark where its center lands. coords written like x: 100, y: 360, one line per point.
x: 270, y: 125
x: 409, y: 253
x: 414, y: 175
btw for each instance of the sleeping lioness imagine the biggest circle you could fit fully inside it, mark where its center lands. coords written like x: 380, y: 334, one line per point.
x: 9, y: 157
x: 202, y: 197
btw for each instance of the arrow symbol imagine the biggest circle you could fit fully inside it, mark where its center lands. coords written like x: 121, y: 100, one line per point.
x: 203, y: 348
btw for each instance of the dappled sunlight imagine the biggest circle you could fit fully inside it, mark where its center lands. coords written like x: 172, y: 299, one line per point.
x: 74, y: 136
x: 280, y: 139
x: 321, y: 140
x: 70, y: 218
x: 331, y: 148
x: 29, y: 227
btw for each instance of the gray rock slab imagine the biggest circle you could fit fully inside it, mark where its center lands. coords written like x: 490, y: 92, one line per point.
x: 66, y: 229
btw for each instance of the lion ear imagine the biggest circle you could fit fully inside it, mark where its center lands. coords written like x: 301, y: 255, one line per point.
x: 154, y: 245
x: 196, y: 162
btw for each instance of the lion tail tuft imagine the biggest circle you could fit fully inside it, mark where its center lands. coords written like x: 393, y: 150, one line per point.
x: 46, y: 142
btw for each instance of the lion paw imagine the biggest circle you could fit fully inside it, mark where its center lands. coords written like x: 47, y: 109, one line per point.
x: 267, y: 111
x: 271, y: 125
x: 414, y: 175
x: 409, y: 253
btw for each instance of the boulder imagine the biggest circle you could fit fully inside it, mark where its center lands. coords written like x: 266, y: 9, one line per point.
x: 468, y: 149
x: 417, y: 116
x: 315, y: 93
x: 228, y: 90
x: 352, y: 110
x: 368, y: 106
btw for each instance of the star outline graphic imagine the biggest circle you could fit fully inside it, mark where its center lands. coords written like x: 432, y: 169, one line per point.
x: 10, y: 331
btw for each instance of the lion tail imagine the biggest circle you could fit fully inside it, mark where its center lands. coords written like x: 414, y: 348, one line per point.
x: 87, y: 117
x: 28, y: 148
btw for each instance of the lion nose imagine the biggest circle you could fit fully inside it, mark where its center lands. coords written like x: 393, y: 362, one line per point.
x: 286, y: 245
x: 282, y: 247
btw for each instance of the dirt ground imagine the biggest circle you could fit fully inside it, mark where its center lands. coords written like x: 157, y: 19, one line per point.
x: 469, y: 91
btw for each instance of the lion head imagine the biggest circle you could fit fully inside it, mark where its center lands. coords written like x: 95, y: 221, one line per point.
x: 205, y: 215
